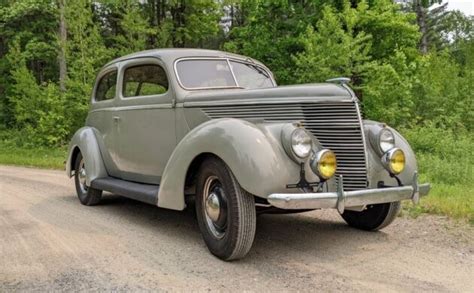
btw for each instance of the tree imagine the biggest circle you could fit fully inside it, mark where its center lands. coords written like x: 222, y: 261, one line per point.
x: 62, y: 45
x: 334, y: 48
x: 427, y: 20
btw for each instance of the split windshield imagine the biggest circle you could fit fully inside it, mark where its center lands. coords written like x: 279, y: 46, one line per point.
x: 221, y: 73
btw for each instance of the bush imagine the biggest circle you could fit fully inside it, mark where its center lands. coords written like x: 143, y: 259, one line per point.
x: 39, y: 111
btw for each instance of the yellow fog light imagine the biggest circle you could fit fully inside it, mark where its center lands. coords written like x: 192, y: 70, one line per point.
x: 324, y: 164
x: 394, y: 161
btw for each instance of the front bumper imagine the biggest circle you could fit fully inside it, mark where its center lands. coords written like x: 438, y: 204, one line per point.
x: 341, y: 199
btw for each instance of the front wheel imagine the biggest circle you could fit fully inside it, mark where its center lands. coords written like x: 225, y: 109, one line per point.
x: 226, y: 213
x: 375, y: 217
x: 87, y: 195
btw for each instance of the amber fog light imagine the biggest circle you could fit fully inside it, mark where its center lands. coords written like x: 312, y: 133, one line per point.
x: 324, y: 164
x: 394, y: 161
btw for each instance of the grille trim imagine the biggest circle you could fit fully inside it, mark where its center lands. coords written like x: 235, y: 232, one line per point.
x: 337, y: 126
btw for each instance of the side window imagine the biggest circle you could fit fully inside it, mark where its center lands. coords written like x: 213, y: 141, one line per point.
x: 144, y: 80
x: 106, y: 87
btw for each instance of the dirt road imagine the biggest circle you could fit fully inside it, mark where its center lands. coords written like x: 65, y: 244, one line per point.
x: 48, y: 241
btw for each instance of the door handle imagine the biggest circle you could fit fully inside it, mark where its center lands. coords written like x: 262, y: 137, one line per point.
x: 116, y: 119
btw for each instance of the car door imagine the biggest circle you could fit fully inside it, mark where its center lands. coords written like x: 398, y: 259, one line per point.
x: 103, y: 119
x: 146, y: 114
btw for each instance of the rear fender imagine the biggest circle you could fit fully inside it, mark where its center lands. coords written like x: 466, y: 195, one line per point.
x: 85, y: 142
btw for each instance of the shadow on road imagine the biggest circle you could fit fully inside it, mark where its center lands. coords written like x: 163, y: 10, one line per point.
x: 320, y: 233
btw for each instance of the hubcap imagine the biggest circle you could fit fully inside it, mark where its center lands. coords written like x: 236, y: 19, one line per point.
x: 82, y: 176
x: 215, y: 206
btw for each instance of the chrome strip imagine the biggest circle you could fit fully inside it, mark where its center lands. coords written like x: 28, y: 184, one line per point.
x: 233, y: 74
x: 362, y: 132
x: 134, y: 107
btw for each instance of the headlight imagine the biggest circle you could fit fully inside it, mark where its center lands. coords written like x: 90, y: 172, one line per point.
x: 301, y: 143
x: 394, y: 161
x: 386, y: 140
x: 324, y: 164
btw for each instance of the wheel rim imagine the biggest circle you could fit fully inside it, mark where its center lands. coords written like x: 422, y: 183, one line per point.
x: 215, y: 207
x: 82, y: 175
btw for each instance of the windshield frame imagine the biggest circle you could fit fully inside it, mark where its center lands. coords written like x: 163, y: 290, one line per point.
x: 228, y: 60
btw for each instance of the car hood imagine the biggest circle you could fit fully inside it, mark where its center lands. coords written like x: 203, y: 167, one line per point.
x: 280, y: 94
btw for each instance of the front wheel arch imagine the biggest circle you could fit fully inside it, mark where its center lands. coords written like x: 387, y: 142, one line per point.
x: 251, y: 151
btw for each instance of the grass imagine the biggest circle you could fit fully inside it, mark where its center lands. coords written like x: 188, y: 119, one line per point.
x: 48, y: 158
x: 455, y: 201
x: 446, y: 160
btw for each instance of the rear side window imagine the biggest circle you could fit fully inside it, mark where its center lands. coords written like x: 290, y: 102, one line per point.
x: 106, y: 87
x: 144, y: 80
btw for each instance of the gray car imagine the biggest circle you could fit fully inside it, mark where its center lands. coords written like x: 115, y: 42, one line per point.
x: 168, y: 125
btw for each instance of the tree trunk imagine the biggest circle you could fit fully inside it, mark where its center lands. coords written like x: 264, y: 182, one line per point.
x: 421, y: 20
x: 62, y: 46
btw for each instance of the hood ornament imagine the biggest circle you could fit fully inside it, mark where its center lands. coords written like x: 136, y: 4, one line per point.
x: 339, y: 80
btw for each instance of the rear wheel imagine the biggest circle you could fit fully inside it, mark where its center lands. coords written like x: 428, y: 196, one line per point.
x: 87, y: 195
x: 375, y: 217
x: 226, y: 213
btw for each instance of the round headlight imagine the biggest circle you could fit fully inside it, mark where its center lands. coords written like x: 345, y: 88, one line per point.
x: 386, y: 140
x: 394, y: 161
x: 301, y: 143
x: 324, y: 164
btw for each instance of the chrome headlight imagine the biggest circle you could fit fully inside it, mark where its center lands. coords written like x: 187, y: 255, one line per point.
x: 386, y: 140
x: 301, y: 143
x: 324, y: 164
x: 296, y: 142
x: 382, y: 139
x: 394, y: 161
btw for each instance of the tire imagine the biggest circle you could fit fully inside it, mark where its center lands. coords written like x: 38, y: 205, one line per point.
x: 87, y: 195
x: 375, y: 217
x: 225, y: 212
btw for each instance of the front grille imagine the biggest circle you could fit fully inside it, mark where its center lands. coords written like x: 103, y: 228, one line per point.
x: 335, y: 124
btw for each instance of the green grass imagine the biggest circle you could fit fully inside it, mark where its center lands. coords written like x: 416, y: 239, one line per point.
x: 455, y: 201
x: 446, y: 160
x: 49, y: 158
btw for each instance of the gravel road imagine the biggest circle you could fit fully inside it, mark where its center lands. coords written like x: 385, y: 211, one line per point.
x: 49, y: 241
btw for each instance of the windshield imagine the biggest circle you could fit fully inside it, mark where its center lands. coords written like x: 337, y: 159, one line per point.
x: 221, y: 73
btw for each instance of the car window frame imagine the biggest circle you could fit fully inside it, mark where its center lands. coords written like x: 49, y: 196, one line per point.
x: 270, y: 76
x: 137, y: 62
x: 228, y: 60
x: 99, y: 78
x: 128, y: 66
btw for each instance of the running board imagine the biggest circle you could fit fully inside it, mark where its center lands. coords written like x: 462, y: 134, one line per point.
x: 146, y: 193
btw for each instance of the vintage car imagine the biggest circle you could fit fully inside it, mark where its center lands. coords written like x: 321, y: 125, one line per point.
x: 169, y: 125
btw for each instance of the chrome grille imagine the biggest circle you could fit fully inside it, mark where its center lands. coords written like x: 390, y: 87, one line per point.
x: 336, y: 125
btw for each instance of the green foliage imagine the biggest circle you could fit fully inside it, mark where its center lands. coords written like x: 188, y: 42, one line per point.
x: 14, y: 152
x: 445, y: 158
x: 38, y: 109
x: 334, y: 47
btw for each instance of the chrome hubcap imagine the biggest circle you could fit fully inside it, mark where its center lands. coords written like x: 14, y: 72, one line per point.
x: 82, y: 176
x: 215, y: 207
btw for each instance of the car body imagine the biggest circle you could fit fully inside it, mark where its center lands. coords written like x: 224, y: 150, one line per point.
x: 159, y: 119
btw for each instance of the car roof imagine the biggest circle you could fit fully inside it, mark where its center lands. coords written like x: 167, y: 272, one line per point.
x: 172, y: 54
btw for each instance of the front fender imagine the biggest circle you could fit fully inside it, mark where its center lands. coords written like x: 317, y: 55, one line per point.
x: 377, y: 171
x: 85, y: 141
x: 254, y: 155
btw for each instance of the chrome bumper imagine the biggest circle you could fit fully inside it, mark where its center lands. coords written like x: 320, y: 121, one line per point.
x: 343, y: 199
